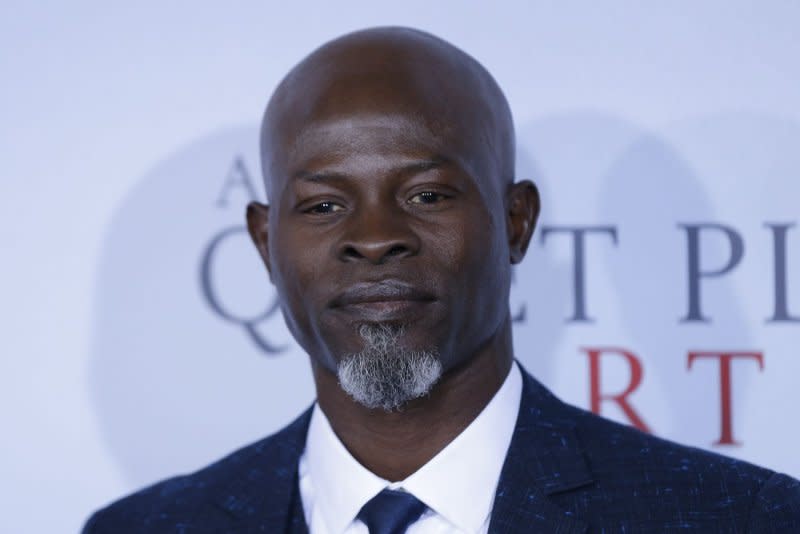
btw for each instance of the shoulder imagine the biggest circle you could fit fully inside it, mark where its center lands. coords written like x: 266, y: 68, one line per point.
x: 616, y: 448
x: 620, y: 478
x: 659, y: 474
x: 180, y: 500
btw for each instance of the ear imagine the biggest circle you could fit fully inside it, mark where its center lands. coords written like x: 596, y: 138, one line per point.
x: 258, y: 227
x: 523, y: 210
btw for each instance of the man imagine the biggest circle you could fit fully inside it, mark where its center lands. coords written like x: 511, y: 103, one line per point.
x: 394, y: 219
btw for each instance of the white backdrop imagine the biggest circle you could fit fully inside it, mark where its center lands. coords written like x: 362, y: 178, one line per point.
x: 138, y: 335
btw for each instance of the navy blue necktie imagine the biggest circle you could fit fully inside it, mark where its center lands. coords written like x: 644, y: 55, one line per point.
x: 391, y: 512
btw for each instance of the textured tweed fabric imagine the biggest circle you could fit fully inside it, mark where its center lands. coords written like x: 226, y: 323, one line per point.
x: 567, y: 470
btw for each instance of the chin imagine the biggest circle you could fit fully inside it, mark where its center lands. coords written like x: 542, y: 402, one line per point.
x: 386, y: 373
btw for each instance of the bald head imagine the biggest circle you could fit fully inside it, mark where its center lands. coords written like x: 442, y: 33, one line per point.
x: 400, y: 78
x: 388, y: 156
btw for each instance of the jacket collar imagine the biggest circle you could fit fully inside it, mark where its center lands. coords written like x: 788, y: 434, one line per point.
x: 263, y: 493
x: 545, y: 457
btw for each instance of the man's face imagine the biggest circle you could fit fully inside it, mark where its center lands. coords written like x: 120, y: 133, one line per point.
x: 388, y: 156
x: 376, y: 218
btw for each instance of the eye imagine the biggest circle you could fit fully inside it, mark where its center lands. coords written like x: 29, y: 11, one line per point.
x: 427, y: 197
x: 324, y: 207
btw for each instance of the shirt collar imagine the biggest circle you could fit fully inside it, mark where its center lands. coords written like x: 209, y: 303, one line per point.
x: 341, y: 484
x: 458, y: 483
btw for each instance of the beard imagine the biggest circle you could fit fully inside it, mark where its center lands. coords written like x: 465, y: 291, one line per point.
x: 384, y: 374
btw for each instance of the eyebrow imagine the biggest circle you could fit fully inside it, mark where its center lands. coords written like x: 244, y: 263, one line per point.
x: 410, y: 168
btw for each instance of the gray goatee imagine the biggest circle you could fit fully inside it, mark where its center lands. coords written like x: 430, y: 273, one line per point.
x: 385, y: 374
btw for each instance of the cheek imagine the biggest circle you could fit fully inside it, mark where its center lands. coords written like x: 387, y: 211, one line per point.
x: 483, y: 270
x: 472, y: 251
x: 485, y: 242
x: 297, y: 268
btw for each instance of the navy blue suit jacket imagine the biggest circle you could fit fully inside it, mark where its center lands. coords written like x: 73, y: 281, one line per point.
x: 567, y: 470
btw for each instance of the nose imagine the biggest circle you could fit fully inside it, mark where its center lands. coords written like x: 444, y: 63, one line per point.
x: 380, y: 234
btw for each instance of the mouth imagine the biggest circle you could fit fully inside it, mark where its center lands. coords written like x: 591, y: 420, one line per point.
x: 383, y: 300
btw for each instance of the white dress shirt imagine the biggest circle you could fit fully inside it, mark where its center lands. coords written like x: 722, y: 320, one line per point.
x: 457, y: 485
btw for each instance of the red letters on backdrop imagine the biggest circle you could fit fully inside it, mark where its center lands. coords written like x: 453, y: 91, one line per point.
x: 620, y: 398
x: 724, y: 358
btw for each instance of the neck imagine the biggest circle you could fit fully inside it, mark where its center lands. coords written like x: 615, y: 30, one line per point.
x: 393, y: 445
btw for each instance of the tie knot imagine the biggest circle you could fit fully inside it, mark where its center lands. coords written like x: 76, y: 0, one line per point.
x: 391, y: 512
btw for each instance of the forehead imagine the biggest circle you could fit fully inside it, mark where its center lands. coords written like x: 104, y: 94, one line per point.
x: 367, y: 136
x: 370, y: 96
x: 373, y: 125
x: 366, y: 148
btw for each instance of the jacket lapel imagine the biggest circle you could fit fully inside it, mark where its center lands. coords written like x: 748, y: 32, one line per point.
x: 263, y: 495
x: 544, y: 458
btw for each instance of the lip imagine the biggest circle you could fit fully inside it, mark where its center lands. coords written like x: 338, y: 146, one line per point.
x: 382, y: 300
x: 389, y: 290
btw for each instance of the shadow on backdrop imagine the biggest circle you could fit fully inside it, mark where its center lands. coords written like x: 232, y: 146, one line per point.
x: 191, y: 358
x: 181, y: 304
